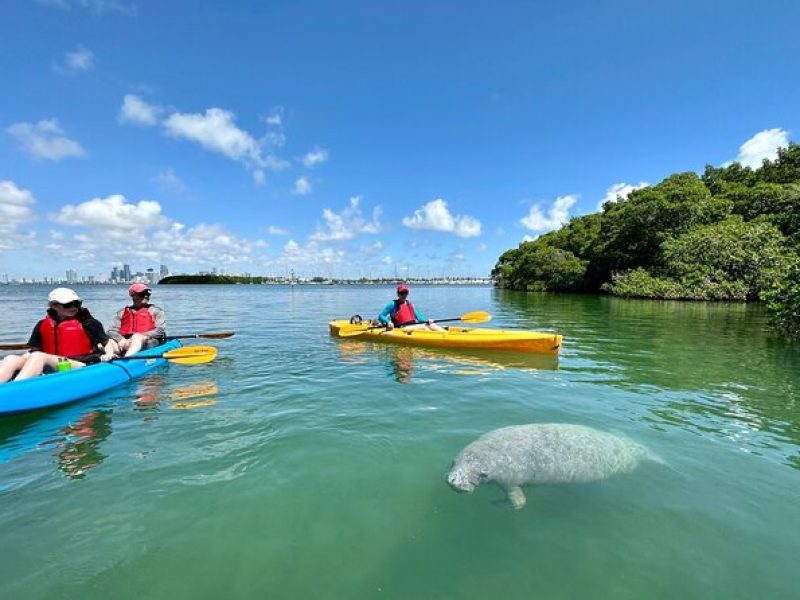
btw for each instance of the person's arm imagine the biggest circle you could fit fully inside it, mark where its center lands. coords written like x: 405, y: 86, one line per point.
x: 101, y: 343
x: 386, y: 314
x: 419, y: 316
x: 160, y: 320
x: 35, y: 341
x: 113, y: 331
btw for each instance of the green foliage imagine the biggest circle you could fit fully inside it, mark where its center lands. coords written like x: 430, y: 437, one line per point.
x: 783, y: 299
x: 213, y: 279
x: 634, y: 230
x: 730, y: 260
x: 538, y: 266
x: 732, y: 234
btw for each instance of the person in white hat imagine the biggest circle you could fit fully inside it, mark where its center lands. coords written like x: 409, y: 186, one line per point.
x: 68, y: 337
x: 141, y: 325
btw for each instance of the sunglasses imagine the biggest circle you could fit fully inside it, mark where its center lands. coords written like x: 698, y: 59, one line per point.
x: 73, y: 304
x: 142, y: 294
x: 402, y: 293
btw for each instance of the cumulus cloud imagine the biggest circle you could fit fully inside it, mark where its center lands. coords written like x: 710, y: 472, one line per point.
x: 435, y: 216
x: 44, y: 140
x: 273, y: 230
x: 302, y: 187
x: 135, y: 110
x: 168, y: 181
x: 557, y: 215
x: 112, y: 215
x: 620, y: 191
x: 140, y: 231
x: 315, y: 157
x: 763, y: 145
x: 15, y: 210
x: 347, y: 224
x: 215, y: 130
x: 77, y: 61
x: 311, y: 254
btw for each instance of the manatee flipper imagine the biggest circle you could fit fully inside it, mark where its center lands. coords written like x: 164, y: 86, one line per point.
x: 516, y: 496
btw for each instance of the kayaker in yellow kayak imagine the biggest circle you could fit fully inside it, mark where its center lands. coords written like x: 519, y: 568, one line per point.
x: 69, y: 337
x: 401, y: 313
x: 141, y: 325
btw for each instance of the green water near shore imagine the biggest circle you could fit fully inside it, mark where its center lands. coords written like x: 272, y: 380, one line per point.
x: 300, y: 465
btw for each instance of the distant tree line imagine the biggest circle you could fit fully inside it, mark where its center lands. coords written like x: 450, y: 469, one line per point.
x: 730, y: 234
x: 180, y: 279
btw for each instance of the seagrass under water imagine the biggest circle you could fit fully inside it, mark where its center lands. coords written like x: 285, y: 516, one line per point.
x: 301, y: 465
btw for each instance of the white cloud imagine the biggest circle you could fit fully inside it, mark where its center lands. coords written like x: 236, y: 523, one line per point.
x: 483, y: 247
x: 273, y: 230
x: 215, y: 130
x: 762, y: 145
x: 370, y: 249
x: 435, y: 216
x: 45, y: 140
x: 347, y: 224
x: 80, y: 60
x: 168, y: 181
x: 15, y: 210
x: 112, y: 215
x: 619, y: 191
x: 135, y: 110
x: 557, y: 215
x: 315, y: 157
x: 310, y: 254
x: 387, y: 260
x: 121, y: 230
x: 302, y: 187
x: 275, y: 118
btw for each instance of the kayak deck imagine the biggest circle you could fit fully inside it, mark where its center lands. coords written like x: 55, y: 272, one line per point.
x: 459, y: 337
x: 56, y: 389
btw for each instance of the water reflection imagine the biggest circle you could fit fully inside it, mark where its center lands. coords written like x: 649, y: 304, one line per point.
x: 404, y: 363
x: 79, y: 451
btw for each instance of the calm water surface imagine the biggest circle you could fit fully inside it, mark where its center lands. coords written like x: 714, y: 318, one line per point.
x: 297, y: 465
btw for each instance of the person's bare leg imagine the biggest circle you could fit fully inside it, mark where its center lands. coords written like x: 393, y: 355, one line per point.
x: 39, y: 361
x: 135, y: 343
x: 10, y: 365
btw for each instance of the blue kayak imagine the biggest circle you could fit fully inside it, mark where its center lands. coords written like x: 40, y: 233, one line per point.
x: 69, y: 386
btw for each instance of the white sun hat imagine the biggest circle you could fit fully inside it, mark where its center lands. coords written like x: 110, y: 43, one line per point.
x: 63, y: 296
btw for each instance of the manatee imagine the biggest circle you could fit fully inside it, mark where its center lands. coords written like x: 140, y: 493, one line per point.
x: 548, y: 453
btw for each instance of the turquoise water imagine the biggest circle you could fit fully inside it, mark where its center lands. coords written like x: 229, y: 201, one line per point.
x: 297, y: 465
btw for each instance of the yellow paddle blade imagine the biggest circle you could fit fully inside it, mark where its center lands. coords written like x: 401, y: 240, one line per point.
x: 476, y: 317
x: 353, y: 330
x: 191, y: 355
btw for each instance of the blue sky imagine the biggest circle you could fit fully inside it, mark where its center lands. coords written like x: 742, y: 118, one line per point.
x: 363, y: 138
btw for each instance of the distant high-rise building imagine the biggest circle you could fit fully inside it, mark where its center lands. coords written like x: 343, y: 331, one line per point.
x: 126, y: 273
x: 150, y: 275
x: 115, y: 274
x: 72, y: 276
x: 163, y: 271
x: 3, y: 277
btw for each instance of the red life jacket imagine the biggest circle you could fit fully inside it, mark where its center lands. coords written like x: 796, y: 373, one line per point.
x: 67, y: 338
x: 136, y: 321
x: 405, y: 314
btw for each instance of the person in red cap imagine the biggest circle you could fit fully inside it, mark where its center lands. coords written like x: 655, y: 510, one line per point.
x: 141, y: 325
x: 68, y: 337
x: 401, y: 313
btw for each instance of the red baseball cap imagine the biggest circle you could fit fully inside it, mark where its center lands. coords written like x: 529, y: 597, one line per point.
x: 137, y: 288
x: 402, y: 288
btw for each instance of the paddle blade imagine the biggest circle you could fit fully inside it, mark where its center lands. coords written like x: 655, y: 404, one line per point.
x: 355, y: 330
x: 476, y: 317
x: 216, y: 336
x: 191, y: 355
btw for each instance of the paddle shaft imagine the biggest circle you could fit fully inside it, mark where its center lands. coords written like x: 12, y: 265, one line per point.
x: 210, y: 336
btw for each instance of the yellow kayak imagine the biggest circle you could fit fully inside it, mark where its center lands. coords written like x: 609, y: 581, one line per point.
x: 457, y: 337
